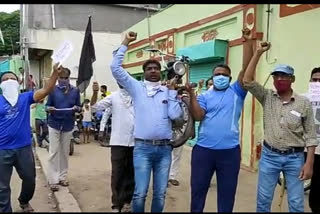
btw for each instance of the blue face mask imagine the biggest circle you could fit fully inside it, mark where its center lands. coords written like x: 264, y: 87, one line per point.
x: 221, y: 82
x: 63, y: 84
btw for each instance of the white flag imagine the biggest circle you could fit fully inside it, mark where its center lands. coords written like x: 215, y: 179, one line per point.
x: 1, y: 37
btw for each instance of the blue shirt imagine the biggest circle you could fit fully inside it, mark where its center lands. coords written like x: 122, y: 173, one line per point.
x: 220, y: 127
x: 15, y: 131
x: 153, y: 114
x: 63, y: 120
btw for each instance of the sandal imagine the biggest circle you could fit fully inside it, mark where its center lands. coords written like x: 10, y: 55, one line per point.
x: 64, y: 183
x: 26, y: 208
x: 54, y: 187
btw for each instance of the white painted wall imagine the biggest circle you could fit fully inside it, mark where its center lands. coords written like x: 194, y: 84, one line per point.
x: 104, y: 44
x: 34, y: 71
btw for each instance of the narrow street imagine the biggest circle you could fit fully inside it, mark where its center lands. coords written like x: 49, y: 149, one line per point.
x: 90, y: 173
x: 42, y: 200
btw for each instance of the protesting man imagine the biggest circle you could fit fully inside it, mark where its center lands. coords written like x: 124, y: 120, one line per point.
x: 62, y: 104
x: 288, y: 128
x: 155, y: 106
x: 315, y: 179
x: 104, y: 91
x: 119, y: 104
x: 219, y: 111
x: 15, y: 138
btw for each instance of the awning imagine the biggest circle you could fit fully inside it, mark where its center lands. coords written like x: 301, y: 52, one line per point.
x: 207, y: 51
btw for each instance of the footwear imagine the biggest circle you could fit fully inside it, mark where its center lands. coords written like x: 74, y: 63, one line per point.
x: 54, y: 187
x: 115, y: 210
x: 126, y: 208
x: 64, y: 183
x: 174, y: 182
x: 26, y: 208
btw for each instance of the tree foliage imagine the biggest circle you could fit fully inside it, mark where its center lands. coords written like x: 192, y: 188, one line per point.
x: 10, y: 27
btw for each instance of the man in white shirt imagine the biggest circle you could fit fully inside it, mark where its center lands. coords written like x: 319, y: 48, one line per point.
x: 119, y: 104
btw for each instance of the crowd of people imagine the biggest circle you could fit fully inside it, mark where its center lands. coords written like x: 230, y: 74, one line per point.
x: 149, y: 117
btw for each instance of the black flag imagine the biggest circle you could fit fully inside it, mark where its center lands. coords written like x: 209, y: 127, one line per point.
x: 87, y: 57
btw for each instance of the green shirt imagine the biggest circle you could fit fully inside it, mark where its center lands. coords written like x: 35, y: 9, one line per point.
x: 40, y: 111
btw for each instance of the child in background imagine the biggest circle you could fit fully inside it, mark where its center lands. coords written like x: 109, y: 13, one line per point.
x: 87, y: 120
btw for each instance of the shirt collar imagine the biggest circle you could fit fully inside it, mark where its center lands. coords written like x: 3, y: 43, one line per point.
x: 293, y: 95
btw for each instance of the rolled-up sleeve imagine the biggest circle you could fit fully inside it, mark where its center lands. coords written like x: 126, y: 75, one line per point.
x: 309, y: 127
x: 174, y: 105
x: 257, y: 90
x: 105, y: 118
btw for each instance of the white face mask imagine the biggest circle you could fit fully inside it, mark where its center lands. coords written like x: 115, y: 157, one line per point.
x: 152, y: 87
x: 10, y: 91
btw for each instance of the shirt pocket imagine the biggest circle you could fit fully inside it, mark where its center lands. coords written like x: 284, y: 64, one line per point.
x: 164, y: 106
x: 294, y: 121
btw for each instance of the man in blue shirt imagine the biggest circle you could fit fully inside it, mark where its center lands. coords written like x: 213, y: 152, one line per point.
x: 217, y: 148
x: 155, y: 106
x: 15, y: 137
x: 62, y: 104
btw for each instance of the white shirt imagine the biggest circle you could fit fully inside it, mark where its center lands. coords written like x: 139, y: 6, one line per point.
x: 119, y: 104
x: 87, y: 114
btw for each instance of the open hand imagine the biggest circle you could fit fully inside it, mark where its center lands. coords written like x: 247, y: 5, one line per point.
x: 306, y: 172
x: 51, y: 109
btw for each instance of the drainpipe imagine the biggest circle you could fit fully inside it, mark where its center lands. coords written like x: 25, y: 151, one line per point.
x: 269, y: 11
x: 53, y: 17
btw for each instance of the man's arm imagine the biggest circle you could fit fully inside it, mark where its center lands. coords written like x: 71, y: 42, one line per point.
x: 77, y: 107
x: 174, y: 107
x: 255, y: 88
x: 247, y: 53
x: 105, y: 118
x: 121, y: 75
x: 311, y: 142
x: 196, y: 111
x: 102, y: 104
x: 43, y: 92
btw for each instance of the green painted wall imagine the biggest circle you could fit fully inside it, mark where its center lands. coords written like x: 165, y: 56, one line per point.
x: 295, y: 40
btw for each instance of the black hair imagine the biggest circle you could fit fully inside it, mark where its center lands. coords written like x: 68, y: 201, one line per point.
x: 225, y: 66
x: 104, y: 87
x: 86, y: 101
x: 207, y: 81
x: 67, y: 70
x: 315, y: 70
x: 151, y: 61
x: 7, y: 72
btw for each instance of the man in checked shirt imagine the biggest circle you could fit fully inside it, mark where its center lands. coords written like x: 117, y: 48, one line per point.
x: 288, y: 128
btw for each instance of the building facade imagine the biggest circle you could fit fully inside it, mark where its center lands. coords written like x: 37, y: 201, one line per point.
x: 44, y: 27
x: 211, y: 34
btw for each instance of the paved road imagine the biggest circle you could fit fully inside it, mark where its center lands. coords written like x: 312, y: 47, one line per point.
x: 90, y: 172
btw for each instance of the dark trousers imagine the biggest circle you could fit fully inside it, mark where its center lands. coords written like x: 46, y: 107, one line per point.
x: 204, y: 162
x: 22, y: 159
x: 41, y: 130
x: 315, y: 186
x: 122, y: 176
